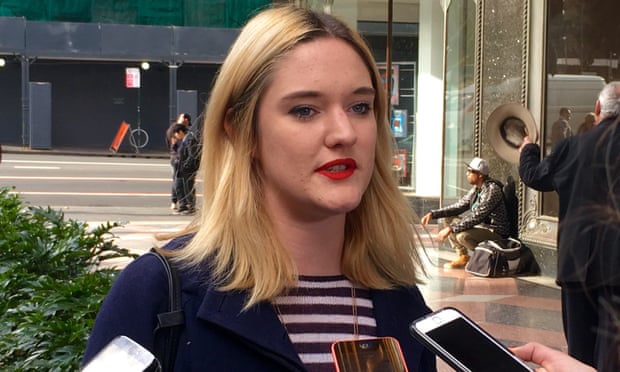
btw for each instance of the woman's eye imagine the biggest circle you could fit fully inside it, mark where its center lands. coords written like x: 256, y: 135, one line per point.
x: 302, y: 112
x: 361, y: 108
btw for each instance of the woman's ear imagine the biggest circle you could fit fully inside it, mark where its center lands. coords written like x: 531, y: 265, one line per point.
x: 228, y: 126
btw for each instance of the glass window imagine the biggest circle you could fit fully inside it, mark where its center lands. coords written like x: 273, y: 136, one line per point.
x: 459, y: 96
x: 404, y: 90
x: 582, y: 55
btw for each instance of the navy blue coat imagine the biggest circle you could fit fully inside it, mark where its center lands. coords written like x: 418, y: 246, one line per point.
x: 585, y: 172
x: 218, y: 336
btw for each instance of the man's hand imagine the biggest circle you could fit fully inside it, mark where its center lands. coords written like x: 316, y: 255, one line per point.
x: 526, y: 140
x: 443, y: 233
x: 426, y: 218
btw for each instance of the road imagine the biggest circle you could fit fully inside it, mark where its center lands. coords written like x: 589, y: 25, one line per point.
x: 132, y: 191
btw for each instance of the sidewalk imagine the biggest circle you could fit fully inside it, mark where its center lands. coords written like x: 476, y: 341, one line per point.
x: 76, y: 151
x: 514, y: 310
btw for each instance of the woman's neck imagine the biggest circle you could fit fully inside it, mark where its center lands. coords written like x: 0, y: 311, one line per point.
x: 315, y: 246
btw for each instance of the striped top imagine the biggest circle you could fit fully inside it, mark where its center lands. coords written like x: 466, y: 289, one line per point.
x: 320, y: 311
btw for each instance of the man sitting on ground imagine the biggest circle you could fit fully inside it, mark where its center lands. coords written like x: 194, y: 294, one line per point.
x: 487, y: 218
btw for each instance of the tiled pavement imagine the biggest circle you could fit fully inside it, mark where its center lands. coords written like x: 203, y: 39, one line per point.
x: 514, y: 310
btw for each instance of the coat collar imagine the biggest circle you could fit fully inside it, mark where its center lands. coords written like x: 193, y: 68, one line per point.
x: 258, y: 325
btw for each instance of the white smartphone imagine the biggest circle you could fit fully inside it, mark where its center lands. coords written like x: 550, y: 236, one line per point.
x: 462, y: 344
x: 382, y: 354
x: 123, y: 354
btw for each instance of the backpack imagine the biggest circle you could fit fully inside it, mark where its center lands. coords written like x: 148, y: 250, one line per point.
x: 190, y: 157
x: 169, y: 323
x: 511, y: 202
x: 512, y: 205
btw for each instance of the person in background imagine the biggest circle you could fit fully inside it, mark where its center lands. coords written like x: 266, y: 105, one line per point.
x: 185, y: 119
x: 561, y: 128
x: 584, y: 170
x: 171, y: 142
x: 172, y: 145
x: 486, y: 217
x: 179, y: 131
x: 185, y: 169
x: 303, y: 237
x: 589, y: 121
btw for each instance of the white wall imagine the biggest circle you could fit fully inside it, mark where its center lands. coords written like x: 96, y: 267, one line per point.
x: 429, y: 133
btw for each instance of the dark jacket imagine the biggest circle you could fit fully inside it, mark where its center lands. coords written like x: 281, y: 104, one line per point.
x: 584, y: 171
x: 218, y: 335
x: 486, y: 207
x: 188, y: 156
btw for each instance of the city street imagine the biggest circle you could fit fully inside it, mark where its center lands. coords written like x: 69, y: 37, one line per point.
x: 135, y: 191
x: 132, y: 191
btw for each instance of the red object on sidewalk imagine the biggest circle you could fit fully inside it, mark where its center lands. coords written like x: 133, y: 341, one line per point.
x: 120, y: 135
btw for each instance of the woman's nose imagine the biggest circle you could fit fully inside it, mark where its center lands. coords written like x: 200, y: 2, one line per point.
x: 340, y: 130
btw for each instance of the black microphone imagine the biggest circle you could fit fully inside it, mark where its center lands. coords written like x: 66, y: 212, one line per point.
x: 123, y: 354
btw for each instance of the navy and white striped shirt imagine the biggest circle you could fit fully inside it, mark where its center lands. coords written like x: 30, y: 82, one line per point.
x: 320, y: 311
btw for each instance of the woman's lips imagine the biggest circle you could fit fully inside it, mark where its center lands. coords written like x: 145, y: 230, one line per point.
x: 339, y: 169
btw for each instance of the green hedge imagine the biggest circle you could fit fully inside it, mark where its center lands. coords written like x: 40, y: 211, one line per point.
x: 50, y: 285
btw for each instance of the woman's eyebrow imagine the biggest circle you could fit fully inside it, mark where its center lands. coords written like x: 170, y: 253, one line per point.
x: 313, y: 94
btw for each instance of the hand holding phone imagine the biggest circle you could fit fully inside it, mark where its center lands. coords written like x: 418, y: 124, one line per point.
x: 463, y: 344
x: 381, y: 354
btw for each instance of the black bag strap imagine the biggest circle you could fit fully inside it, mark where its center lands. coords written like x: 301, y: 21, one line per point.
x: 172, y: 320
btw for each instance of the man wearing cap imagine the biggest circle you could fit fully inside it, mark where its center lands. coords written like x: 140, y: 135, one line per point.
x: 486, y: 219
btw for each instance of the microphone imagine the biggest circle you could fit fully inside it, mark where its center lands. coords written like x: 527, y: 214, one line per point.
x: 123, y: 354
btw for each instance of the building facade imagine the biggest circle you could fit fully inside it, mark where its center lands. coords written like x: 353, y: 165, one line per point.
x: 457, y: 68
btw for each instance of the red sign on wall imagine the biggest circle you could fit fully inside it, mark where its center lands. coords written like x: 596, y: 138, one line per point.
x: 132, y: 77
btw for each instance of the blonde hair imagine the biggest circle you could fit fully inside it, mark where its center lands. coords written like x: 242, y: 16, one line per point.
x: 233, y: 234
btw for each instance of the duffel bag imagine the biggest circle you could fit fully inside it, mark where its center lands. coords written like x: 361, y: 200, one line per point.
x: 502, y: 258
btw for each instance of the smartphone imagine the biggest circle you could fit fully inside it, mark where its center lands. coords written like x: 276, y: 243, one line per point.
x: 381, y: 354
x: 462, y: 344
x: 123, y: 354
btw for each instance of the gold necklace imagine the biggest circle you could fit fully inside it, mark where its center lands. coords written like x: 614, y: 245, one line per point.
x: 353, y: 312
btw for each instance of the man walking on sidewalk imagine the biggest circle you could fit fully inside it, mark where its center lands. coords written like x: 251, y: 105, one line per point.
x: 486, y: 218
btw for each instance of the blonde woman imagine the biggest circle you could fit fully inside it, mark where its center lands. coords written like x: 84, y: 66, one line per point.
x: 303, y: 238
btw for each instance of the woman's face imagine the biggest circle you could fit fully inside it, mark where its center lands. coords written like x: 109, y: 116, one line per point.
x: 317, y: 131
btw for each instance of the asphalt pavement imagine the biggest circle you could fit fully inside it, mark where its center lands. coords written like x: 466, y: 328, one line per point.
x: 137, y: 228
x: 144, y: 153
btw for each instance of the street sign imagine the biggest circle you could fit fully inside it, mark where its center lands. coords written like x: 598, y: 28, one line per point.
x: 132, y: 77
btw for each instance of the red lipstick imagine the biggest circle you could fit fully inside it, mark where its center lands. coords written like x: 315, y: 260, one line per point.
x: 338, y: 169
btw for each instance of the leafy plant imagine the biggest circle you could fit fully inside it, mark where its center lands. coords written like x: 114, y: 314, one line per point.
x: 50, y: 285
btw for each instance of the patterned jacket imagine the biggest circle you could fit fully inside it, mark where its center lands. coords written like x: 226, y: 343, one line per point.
x: 486, y: 206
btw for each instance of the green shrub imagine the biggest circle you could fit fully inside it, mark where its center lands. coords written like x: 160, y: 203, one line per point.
x: 50, y: 285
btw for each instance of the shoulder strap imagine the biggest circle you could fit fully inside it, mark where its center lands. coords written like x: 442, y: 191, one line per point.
x: 172, y: 320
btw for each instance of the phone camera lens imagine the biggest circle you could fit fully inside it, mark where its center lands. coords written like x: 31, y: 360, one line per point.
x: 364, y: 345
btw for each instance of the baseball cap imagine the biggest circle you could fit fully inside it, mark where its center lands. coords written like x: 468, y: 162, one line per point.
x: 479, y: 165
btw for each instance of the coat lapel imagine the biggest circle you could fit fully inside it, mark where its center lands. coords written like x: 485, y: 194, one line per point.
x: 258, y: 325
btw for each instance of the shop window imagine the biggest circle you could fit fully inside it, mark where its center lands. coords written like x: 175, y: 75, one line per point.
x: 581, y: 56
x: 459, y: 96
